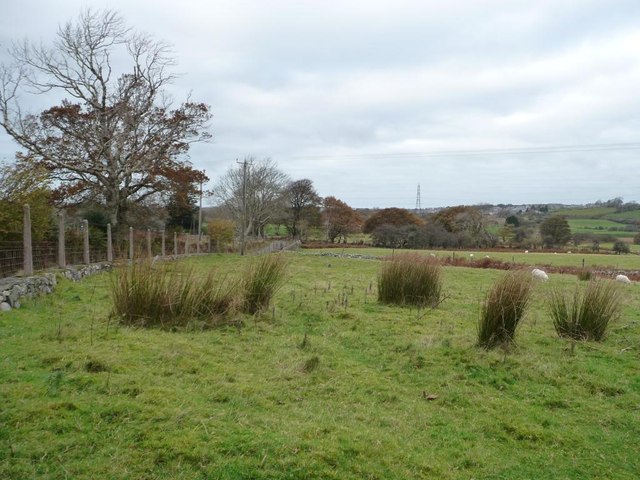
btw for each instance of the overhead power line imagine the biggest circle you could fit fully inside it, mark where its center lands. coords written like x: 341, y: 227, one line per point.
x: 603, y: 147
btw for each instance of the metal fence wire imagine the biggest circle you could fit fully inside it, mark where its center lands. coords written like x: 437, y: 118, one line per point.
x: 76, y: 242
x: 11, y: 257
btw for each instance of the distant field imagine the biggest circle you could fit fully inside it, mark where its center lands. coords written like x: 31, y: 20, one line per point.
x: 593, y: 223
x: 561, y: 259
x: 604, y: 213
x: 625, y: 216
x: 272, y: 230
x: 494, y: 229
x: 596, y: 226
x: 593, y: 212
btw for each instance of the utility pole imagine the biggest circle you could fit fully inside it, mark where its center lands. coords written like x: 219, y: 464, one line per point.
x: 418, y: 204
x: 200, y: 212
x: 244, y: 164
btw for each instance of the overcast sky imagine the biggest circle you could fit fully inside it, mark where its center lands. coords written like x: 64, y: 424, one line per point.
x: 370, y: 98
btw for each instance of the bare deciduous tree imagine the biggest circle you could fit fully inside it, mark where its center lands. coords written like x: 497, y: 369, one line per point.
x: 115, y: 137
x: 265, y: 184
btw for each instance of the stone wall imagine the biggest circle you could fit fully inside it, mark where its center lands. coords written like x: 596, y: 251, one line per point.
x: 78, y: 273
x: 13, y: 289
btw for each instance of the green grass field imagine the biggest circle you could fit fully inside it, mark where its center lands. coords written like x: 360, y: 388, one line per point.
x: 633, y: 215
x: 592, y: 212
x: 328, y: 384
x: 599, y: 226
x: 600, y: 220
x: 614, y: 262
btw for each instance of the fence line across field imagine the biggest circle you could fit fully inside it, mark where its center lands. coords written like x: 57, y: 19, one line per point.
x: 79, y: 243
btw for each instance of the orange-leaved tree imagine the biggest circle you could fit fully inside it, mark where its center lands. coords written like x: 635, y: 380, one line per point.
x: 390, y: 216
x: 339, y: 219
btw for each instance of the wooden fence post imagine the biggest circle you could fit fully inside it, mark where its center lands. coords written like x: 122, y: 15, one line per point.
x: 175, y: 244
x: 109, y: 244
x: 131, y: 243
x: 149, y: 242
x: 163, y: 235
x: 186, y: 244
x: 62, y: 260
x: 85, y: 250
x: 26, y: 241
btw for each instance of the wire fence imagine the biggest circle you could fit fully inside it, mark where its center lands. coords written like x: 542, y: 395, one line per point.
x: 77, y: 242
x: 11, y: 257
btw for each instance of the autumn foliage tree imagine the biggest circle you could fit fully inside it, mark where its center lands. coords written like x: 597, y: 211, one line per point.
x: 397, y: 217
x: 460, y: 218
x: 20, y: 186
x: 339, y: 219
x: 181, y: 202
x: 467, y: 223
x: 115, y: 138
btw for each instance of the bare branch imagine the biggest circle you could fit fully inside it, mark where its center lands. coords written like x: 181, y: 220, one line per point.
x: 117, y: 136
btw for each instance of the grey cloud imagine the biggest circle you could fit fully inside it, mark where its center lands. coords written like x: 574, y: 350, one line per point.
x: 317, y: 84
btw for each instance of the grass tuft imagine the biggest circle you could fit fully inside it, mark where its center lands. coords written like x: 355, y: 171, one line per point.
x: 311, y: 364
x: 584, y: 275
x: 410, y: 280
x: 145, y: 295
x: 262, y: 279
x: 586, y: 315
x: 95, y: 366
x: 503, y: 309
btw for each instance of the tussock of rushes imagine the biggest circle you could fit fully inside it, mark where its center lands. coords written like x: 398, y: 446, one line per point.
x: 165, y: 297
x: 586, y: 316
x: 503, y: 309
x: 584, y: 275
x: 410, y: 280
x: 262, y: 279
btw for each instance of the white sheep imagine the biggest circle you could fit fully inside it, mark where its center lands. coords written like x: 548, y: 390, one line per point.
x: 540, y: 274
x: 622, y: 279
x: 526, y: 251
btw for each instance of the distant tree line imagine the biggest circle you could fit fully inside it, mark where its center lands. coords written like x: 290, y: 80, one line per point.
x: 453, y: 227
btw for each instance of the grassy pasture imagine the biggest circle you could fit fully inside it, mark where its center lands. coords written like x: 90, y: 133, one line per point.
x: 538, y: 259
x: 599, y: 215
x: 592, y: 212
x: 633, y: 215
x: 329, y: 384
x: 599, y: 226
